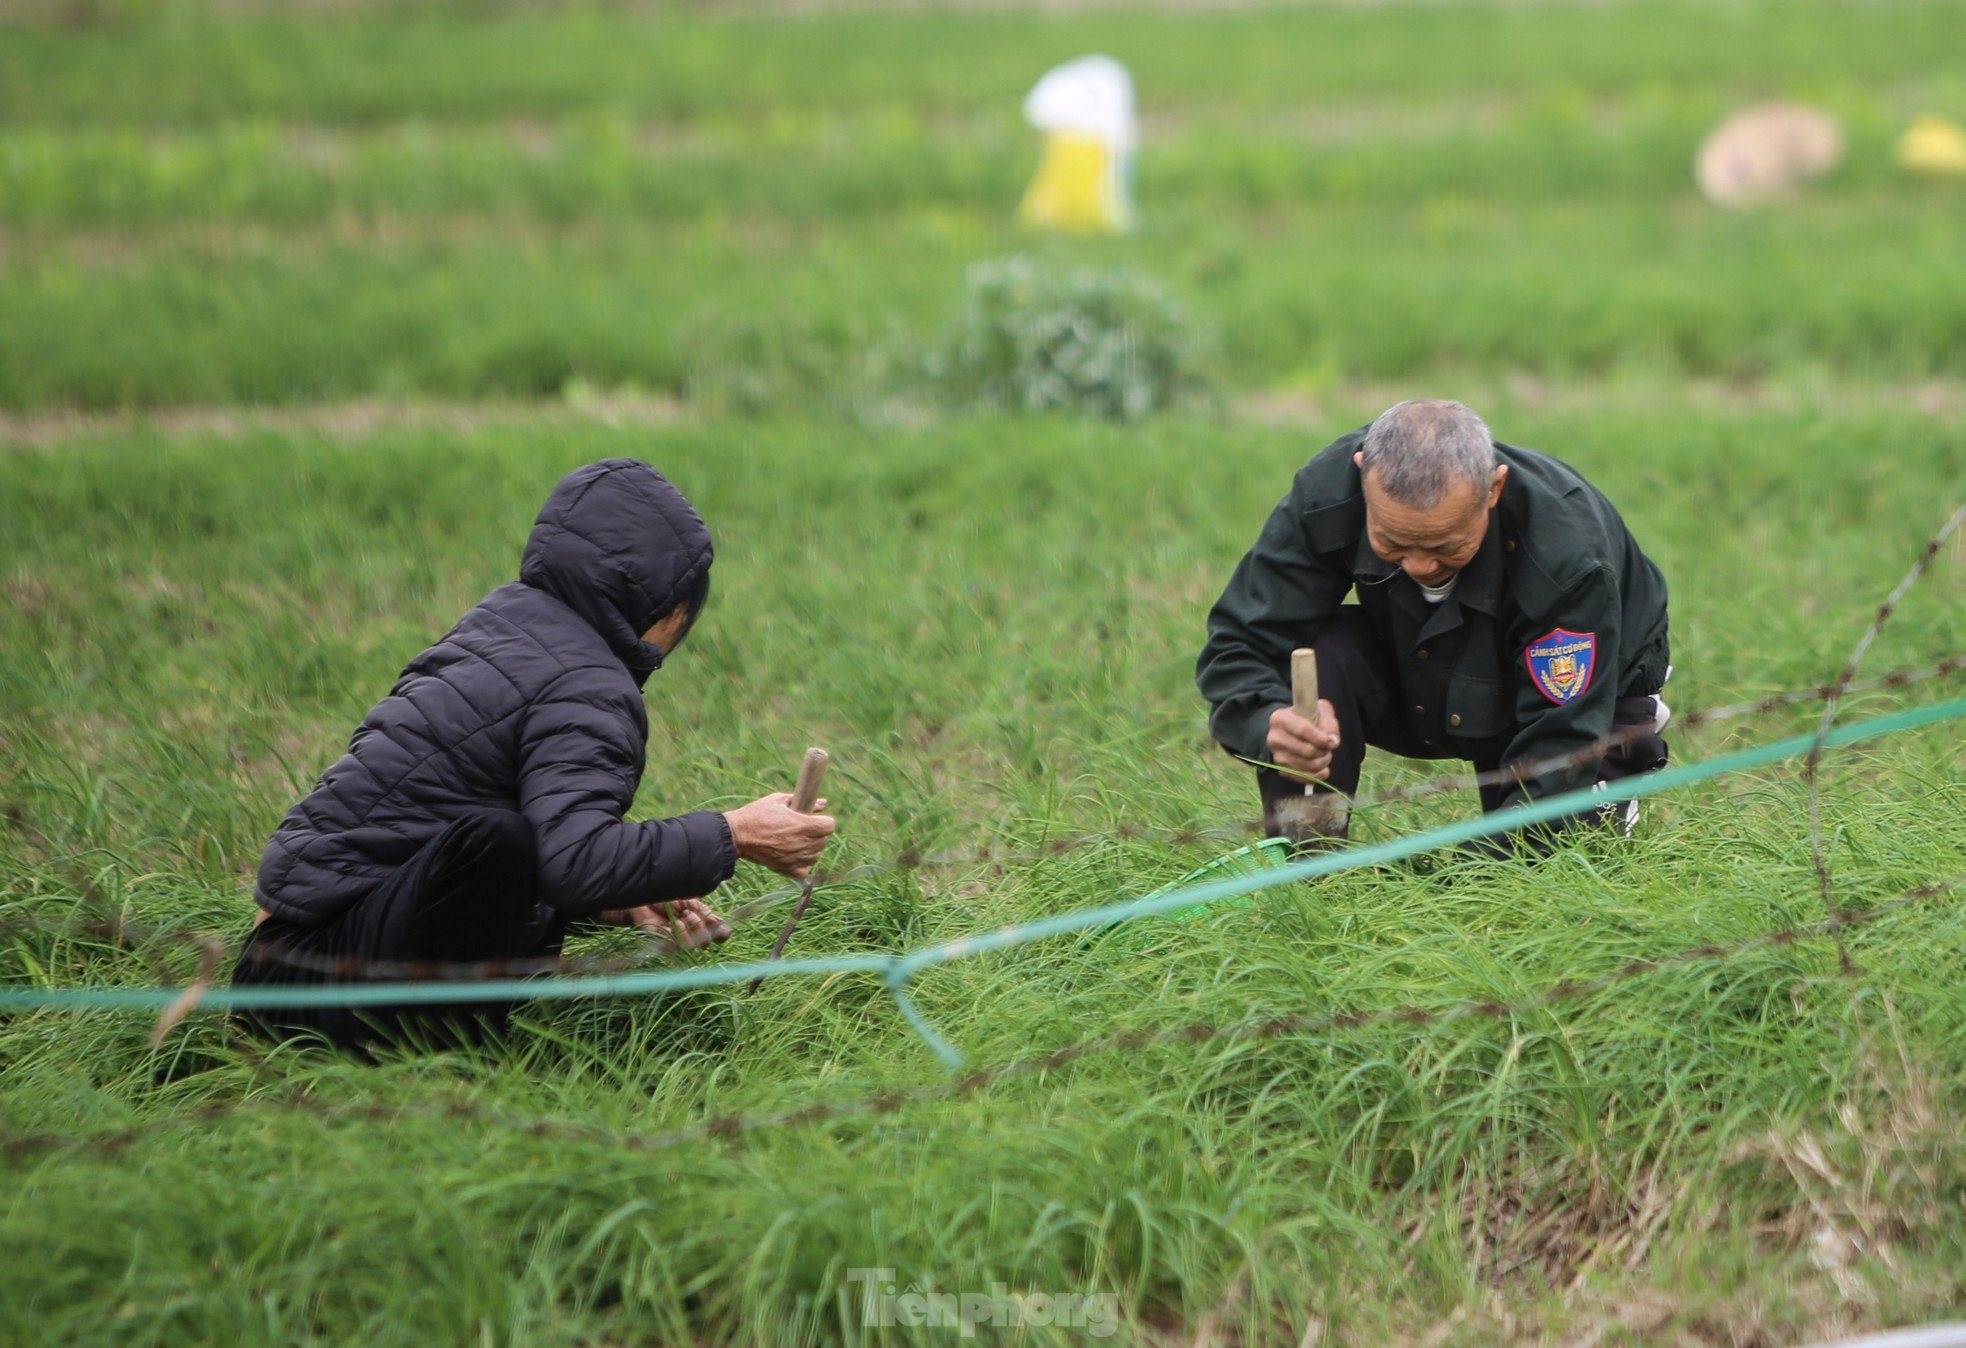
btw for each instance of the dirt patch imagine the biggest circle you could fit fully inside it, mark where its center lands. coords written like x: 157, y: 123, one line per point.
x: 362, y: 418
x: 1941, y: 400
x: 358, y: 419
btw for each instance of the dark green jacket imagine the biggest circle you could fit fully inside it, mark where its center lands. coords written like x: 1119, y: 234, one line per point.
x: 1557, y: 559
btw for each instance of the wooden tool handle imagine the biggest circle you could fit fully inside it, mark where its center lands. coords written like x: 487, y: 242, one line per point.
x: 811, y: 772
x: 1303, y: 683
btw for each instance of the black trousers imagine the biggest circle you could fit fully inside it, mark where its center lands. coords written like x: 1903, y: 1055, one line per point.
x: 467, y: 896
x: 1358, y: 673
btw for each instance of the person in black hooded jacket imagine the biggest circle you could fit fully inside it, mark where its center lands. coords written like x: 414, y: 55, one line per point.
x: 479, y: 808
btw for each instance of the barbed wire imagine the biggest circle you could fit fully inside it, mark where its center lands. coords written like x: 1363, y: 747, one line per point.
x: 17, y: 1145
x: 733, y: 1129
x: 1690, y: 719
x: 125, y: 932
x: 1812, y: 764
x: 435, y: 981
x: 1407, y: 1015
x: 896, y: 969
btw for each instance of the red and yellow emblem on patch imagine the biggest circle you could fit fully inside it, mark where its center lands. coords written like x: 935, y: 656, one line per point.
x: 1561, y: 664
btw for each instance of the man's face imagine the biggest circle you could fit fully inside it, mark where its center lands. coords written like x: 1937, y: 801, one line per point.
x: 1433, y: 543
x: 668, y: 629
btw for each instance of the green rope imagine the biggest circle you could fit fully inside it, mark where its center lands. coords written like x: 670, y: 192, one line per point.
x: 896, y: 970
x: 1542, y: 811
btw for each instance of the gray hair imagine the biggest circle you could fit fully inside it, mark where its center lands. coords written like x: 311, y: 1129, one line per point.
x: 1420, y: 448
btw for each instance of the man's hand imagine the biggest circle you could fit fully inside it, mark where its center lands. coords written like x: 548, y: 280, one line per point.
x: 770, y: 832
x: 689, y: 923
x: 1300, y: 746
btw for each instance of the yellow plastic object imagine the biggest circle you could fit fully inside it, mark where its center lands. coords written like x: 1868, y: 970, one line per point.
x: 1079, y: 188
x: 1933, y: 145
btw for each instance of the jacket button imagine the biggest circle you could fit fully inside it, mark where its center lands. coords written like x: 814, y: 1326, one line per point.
x: 1420, y: 655
x: 1419, y: 710
x: 1509, y: 546
x: 1455, y: 719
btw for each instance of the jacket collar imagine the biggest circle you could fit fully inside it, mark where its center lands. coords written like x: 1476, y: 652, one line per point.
x: 1480, y: 585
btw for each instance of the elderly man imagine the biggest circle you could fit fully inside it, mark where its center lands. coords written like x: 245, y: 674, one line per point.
x: 1504, y: 616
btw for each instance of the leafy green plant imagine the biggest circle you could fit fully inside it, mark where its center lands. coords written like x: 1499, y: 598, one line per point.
x: 1109, y: 343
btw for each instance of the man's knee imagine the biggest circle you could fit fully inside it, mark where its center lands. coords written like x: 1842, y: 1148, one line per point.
x: 486, y: 862
x: 1351, y: 654
x: 477, y: 898
x: 495, y: 840
x: 1637, y: 746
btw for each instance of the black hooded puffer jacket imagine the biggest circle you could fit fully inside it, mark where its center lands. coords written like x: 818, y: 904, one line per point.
x: 531, y: 703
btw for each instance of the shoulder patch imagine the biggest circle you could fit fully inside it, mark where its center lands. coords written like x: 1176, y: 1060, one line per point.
x: 1561, y: 664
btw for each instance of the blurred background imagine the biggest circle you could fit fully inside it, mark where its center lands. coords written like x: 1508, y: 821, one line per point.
x: 872, y: 208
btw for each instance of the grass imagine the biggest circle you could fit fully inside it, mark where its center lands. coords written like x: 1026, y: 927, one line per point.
x: 440, y: 205
x: 1586, y: 290
x: 226, y: 609
x: 172, y: 63
x: 991, y: 622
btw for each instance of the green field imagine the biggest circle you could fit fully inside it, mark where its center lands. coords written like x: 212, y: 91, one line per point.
x: 302, y: 315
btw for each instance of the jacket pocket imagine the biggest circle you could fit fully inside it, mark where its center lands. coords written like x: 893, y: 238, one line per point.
x: 1479, y: 709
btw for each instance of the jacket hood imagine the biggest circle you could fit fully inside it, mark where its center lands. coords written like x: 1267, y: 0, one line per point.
x: 620, y: 546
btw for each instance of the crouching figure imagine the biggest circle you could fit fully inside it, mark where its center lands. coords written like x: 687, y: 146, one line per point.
x: 479, y: 809
x: 1502, y: 614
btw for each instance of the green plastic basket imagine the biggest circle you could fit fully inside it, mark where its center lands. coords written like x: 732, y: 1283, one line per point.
x: 1254, y: 859
x: 1266, y: 855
